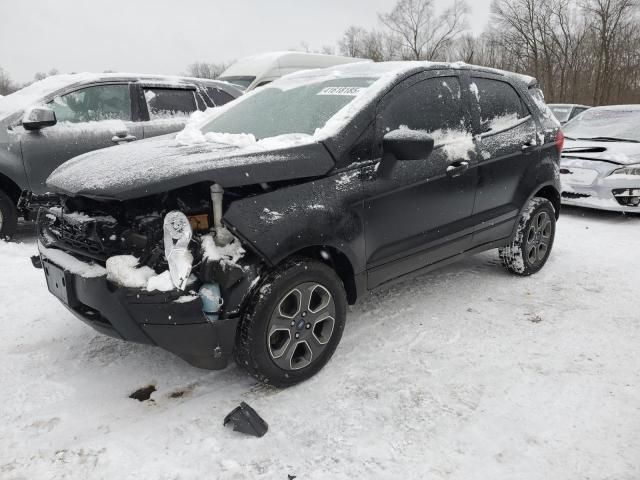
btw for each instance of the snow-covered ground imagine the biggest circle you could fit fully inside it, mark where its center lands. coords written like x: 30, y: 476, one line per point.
x: 466, y: 373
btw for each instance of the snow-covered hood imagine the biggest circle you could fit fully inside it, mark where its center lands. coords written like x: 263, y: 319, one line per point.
x: 162, y: 164
x: 623, y: 153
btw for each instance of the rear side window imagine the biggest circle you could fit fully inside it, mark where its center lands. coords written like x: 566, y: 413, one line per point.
x: 500, y: 105
x: 93, y: 104
x: 169, y: 102
x: 430, y: 105
x: 219, y: 97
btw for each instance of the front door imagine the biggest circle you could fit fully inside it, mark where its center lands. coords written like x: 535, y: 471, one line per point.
x: 421, y: 213
x: 89, y: 118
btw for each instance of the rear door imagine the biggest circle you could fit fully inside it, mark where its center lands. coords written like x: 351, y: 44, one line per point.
x: 507, y: 141
x: 421, y: 214
x: 166, y: 109
x: 89, y: 118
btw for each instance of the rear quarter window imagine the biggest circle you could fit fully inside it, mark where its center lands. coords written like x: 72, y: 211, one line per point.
x: 500, y: 105
x: 218, y: 97
x: 169, y: 102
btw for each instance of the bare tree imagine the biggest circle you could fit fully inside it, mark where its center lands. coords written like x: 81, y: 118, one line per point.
x: 6, y: 85
x: 423, y: 33
x: 206, y: 70
x: 611, y: 18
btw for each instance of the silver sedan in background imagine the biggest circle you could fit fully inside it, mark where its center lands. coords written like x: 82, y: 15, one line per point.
x: 600, y: 165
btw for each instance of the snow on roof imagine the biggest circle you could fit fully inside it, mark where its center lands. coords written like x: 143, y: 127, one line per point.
x: 37, y: 91
x: 258, y: 64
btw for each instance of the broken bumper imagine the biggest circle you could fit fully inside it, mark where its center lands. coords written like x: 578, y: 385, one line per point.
x: 145, y: 317
x: 593, y: 184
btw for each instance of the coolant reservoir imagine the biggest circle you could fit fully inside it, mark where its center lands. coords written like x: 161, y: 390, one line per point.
x: 211, y: 300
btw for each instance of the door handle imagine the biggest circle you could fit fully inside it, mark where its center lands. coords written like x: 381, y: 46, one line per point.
x: 458, y: 168
x: 123, y: 137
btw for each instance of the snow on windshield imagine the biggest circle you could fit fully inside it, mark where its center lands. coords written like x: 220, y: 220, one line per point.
x: 617, y: 122
x: 315, y: 103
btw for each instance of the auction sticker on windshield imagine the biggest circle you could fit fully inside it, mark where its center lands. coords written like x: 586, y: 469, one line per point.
x: 346, y: 91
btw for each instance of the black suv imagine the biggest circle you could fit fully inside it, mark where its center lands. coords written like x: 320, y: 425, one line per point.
x: 251, y: 231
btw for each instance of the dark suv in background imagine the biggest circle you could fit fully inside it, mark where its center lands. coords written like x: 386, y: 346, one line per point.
x: 252, y: 233
x: 60, y: 117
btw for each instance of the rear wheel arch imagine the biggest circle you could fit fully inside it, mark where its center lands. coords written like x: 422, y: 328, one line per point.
x: 550, y: 193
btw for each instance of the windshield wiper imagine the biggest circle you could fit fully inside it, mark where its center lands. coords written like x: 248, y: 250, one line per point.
x: 610, y: 139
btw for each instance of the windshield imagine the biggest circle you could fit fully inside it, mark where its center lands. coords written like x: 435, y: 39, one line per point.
x: 611, y: 124
x: 273, y: 111
x: 243, y: 82
x: 561, y: 112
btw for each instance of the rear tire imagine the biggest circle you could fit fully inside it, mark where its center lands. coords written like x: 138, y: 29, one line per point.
x: 531, y: 246
x: 293, y: 323
x: 8, y: 217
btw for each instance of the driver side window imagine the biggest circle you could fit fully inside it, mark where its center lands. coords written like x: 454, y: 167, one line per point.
x: 93, y: 104
x: 431, y: 105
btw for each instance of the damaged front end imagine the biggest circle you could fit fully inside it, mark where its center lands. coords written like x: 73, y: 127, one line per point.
x: 161, y: 270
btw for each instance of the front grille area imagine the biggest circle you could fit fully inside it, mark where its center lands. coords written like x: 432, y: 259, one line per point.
x: 86, y: 235
x: 96, y: 238
x: 627, y: 197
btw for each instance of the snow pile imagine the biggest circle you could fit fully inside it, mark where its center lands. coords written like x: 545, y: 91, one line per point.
x: 161, y: 282
x: 503, y: 122
x: 456, y: 144
x: 192, y: 135
x: 125, y: 271
x: 229, y: 255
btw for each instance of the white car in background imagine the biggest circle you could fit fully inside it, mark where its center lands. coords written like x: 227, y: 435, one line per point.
x: 566, y: 112
x: 600, y: 165
x: 258, y: 70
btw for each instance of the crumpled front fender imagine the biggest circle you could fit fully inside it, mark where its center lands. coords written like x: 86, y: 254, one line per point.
x: 322, y: 212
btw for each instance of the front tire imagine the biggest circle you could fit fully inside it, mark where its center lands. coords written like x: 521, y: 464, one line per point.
x: 293, y: 323
x: 531, y: 246
x: 8, y: 217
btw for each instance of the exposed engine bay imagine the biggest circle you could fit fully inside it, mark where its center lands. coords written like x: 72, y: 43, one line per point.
x: 175, y: 242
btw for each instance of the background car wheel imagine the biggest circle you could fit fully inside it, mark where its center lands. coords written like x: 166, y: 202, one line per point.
x: 8, y: 217
x: 532, y: 243
x: 293, y: 323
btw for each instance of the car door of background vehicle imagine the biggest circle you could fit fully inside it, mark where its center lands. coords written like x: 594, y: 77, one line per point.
x: 166, y: 108
x: 507, y: 141
x: 420, y: 214
x: 89, y: 118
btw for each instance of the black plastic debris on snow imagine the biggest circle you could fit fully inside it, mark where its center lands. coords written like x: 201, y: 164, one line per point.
x: 245, y: 420
x: 143, y: 394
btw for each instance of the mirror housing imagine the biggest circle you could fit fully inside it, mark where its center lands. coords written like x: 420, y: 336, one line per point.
x: 36, y: 118
x: 407, y: 144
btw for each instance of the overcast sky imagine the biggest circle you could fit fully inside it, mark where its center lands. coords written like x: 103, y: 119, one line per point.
x: 164, y: 36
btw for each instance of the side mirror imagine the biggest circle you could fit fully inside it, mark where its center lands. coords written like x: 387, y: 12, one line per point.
x: 405, y: 144
x: 36, y: 118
